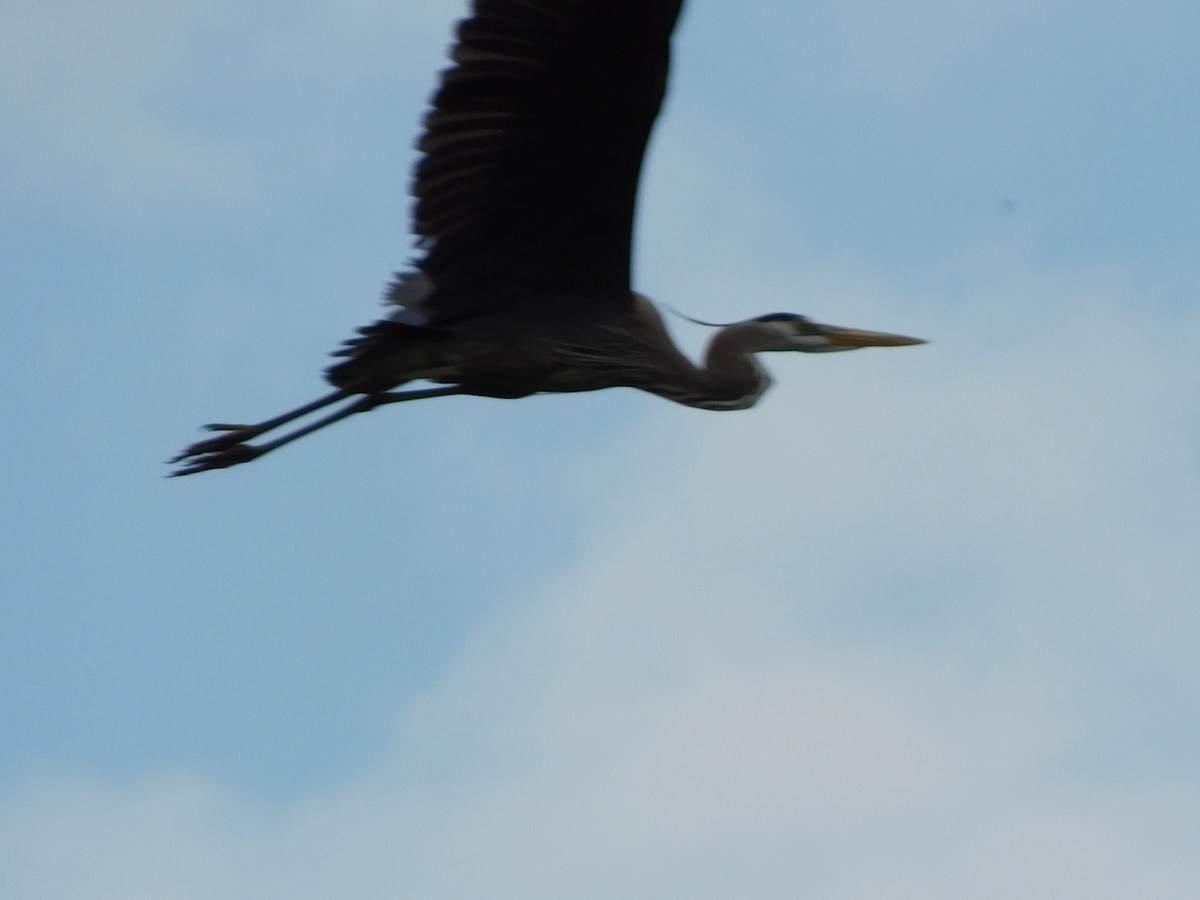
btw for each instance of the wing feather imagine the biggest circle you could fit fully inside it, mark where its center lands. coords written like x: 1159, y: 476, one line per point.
x: 532, y: 151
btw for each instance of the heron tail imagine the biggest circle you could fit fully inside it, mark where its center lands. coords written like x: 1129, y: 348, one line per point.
x: 386, y: 354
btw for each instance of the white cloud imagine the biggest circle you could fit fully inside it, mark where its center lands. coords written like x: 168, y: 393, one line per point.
x: 862, y: 642
x: 138, y: 106
x: 922, y: 625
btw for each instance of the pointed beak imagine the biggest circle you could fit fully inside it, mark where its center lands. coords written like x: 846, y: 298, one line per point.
x: 853, y: 338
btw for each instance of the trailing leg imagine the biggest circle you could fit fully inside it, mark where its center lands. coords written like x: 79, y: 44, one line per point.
x: 238, y: 434
x: 231, y: 449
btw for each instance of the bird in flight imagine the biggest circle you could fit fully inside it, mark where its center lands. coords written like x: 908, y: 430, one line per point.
x: 524, y: 194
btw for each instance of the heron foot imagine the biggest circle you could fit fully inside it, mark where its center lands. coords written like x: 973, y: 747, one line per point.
x: 233, y: 436
x: 218, y: 453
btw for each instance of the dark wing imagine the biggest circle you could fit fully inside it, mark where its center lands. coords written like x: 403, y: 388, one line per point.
x: 533, y: 148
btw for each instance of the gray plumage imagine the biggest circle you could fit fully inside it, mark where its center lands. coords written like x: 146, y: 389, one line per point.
x: 524, y: 209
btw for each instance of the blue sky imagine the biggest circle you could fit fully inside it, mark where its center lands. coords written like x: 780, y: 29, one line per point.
x: 922, y: 624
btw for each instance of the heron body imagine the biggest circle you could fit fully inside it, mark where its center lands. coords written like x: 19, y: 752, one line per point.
x: 525, y: 194
x: 557, y: 348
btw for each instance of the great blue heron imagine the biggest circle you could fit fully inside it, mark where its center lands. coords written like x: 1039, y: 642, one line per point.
x: 525, y: 195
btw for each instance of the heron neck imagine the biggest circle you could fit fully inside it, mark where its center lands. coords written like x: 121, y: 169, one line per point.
x: 732, y: 373
x: 730, y: 377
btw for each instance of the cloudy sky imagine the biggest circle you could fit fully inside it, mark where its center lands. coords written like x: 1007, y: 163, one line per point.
x: 923, y: 624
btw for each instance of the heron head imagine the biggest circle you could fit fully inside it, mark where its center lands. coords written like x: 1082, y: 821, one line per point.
x: 788, y: 331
